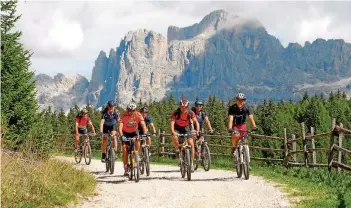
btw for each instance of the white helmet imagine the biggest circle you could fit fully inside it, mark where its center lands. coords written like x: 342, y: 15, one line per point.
x: 240, y: 96
x: 131, y: 106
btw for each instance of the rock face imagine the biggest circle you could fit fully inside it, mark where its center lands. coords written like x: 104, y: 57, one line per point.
x: 220, y: 55
x: 61, y: 91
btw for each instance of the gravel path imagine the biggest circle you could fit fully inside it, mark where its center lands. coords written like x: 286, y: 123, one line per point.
x: 165, y: 188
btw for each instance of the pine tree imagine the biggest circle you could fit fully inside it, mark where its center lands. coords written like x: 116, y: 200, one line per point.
x: 18, y: 102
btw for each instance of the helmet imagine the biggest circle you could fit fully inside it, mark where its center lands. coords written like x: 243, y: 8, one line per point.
x: 131, y: 106
x: 144, y: 109
x: 240, y: 96
x: 184, y: 102
x: 84, y: 110
x: 111, y: 103
x: 198, y: 102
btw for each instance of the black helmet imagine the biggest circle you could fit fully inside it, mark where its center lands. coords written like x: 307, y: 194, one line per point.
x: 111, y: 103
x: 199, y: 102
x: 144, y: 109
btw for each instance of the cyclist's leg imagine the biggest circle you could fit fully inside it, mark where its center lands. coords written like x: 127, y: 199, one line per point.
x: 137, y: 141
x: 148, y: 141
x: 125, y: 157
x: 105, y: 130
x: 114, y: 132
x: 76, y: 141
x: 235, y: 139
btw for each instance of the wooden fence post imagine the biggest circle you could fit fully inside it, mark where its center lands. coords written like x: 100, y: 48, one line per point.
x: 314, y: 157
x: 304, y: 143
x: 340, y: 145
x: 285, y: 144
x: 158, y: 141
x: 294, y: 146
x: 163, y: 143
x: 331, y: 155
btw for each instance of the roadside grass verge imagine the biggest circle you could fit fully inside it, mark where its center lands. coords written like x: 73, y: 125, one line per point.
x: 33, y: 183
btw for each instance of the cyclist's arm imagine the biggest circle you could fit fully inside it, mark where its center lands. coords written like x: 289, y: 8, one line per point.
x: 76, y: 128
x: 143, y: 125
x: 252, y: 121
x: 172, y: 126
x: 208, y: 123
x: 101, y: 124
x: 120, y: 127
x: 230, y: 121
x: 91, y: 126
x: 153, y: 128
x: 197, y: 124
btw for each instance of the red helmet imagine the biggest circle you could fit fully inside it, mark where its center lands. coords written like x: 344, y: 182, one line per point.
x: 184, y: 102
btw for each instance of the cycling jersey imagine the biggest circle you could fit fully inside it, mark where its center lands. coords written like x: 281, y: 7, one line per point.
x: 82, y: 122
x: 182, y: 119
x: 239, y: 114
x: 131, y: 122
x: 200, y: 116
x: 111, y: 118
x: 148, y: 120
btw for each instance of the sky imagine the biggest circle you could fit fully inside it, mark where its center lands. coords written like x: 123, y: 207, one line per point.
x: 67, y: 36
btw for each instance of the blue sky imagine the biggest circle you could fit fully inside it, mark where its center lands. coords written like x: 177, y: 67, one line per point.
x: 67, y: 36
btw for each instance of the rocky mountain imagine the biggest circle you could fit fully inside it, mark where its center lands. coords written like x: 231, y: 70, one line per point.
x: 62, y: 91
x: 219, y: 55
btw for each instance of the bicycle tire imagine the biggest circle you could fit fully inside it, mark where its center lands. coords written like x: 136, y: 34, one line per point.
x: 142, y: 162
x: 137, y: 170
x: 188, y: 164
x: 112, y: 160
x: 87, y: 154
x: 131, y: 167
x: 246, y: 162
x: 147, y: 161
x: 205, y: 152
x: 107, y: 157
x: 182, y: 164
x: 237, y: 164
x: 78, y: 155
x: 197, y: 159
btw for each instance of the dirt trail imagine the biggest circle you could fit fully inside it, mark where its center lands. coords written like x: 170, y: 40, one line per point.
x: 165, y: 188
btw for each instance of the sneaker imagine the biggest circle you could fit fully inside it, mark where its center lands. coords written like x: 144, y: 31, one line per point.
x: 149, y: 155
x: 103, y: 157
x: 75, y: 151
x: 192, y: 168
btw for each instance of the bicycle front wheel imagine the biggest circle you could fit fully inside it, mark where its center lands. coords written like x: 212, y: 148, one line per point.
x: 147, y: 161
x: 188, y: 164
x: 237, y: 164
x: 182, y: 164
x: 87, y: 154
x: 78, y: 155
x: 137, y: 170
x: 142, y: 162
x: 246, y: 163
x: 131, y: 167
x: 206, y: 157
x: 112, y: 160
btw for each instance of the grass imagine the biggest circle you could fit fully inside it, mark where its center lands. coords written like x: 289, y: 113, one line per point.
x: 42, y: 183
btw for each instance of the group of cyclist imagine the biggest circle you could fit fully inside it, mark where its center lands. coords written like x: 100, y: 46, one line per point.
x: 184, y: 120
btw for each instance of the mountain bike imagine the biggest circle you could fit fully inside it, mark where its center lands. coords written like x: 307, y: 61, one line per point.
x: 133, y: 160
x: 144, y: 163
x: 185, y: 160
x: 202, y: 153
x: 84, y: 148
x: 110, y: 153
x: 241, y: 156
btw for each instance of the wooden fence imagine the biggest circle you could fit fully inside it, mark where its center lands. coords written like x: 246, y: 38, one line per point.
x: 289, y: 146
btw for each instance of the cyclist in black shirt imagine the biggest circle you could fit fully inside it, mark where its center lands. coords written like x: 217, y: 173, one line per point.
x: 237, y: 118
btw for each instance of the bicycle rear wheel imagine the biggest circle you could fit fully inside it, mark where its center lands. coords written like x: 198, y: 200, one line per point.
x: 206, y: 157
x: 112, y: 160
x: 87, y: 153
x: 188, y: 164
x: 137, y: 170
x: 246, y: 157
x: 147, y: 161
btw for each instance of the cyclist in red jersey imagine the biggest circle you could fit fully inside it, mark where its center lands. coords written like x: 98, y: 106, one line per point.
x: 180, y: 122
x: 128, y: 128
x: 82, y: 121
